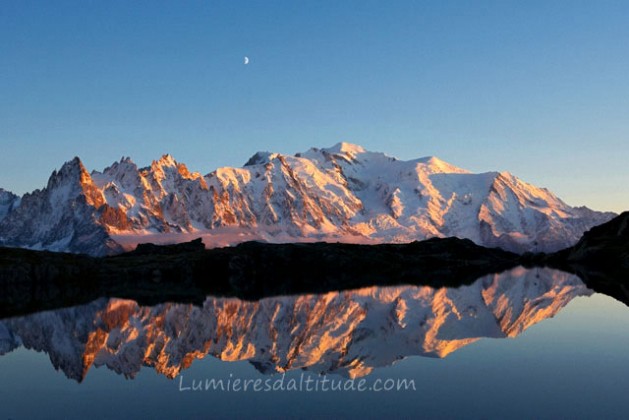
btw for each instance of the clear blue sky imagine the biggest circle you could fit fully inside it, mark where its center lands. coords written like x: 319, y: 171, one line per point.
x: 538, y: 88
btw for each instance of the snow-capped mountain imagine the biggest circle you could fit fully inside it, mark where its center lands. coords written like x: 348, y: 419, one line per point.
x: 343, y: 193
x: 61, y: 217
x: 348, y: 333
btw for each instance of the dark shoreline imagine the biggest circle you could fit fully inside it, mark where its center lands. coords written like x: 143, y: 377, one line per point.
x: 39, y: 280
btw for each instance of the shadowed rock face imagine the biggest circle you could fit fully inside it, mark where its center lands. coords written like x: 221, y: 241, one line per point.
x: 8, y: 202
x: 602, y: 245
x: 349, y: 333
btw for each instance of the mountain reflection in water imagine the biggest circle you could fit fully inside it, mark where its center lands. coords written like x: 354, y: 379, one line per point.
x: 348, y: 333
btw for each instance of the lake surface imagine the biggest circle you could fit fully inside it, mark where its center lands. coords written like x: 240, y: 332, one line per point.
x: 520, y: 344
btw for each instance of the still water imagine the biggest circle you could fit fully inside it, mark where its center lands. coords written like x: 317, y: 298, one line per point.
x: 520, y: 344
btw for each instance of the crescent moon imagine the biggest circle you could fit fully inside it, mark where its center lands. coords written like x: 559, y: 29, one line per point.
x: 246, y: 60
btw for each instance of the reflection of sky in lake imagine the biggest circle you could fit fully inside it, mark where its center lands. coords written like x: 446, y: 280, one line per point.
x: 573, y: 365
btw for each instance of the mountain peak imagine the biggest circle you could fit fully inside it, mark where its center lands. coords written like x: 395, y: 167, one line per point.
x: 344, y: 147
x: 71, y: 181
x: 260, y: 158
x: 439, y: 165
x: 72, y: 169
x: 72, y: 164
x: 166, y: 160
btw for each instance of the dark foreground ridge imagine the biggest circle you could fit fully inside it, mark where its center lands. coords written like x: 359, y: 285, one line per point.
x: 36, y: 280
x: 600, y: 258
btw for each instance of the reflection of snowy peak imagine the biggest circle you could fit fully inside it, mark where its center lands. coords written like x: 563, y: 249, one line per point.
x: 348, y: 333
x: 342, y: 193
x: 61, y: 334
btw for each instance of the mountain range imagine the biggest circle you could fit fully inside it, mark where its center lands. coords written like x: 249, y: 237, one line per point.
x: 338, y: 194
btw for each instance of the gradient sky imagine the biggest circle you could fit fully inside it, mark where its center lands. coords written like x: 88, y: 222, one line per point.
x: 538, y: 88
